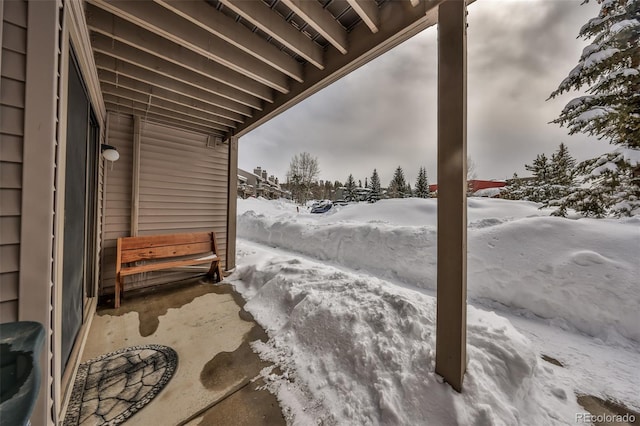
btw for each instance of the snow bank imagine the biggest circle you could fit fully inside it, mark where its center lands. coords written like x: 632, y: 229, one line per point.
x: 358, y: 350
x: 487, y: 192
x: 581, y: 274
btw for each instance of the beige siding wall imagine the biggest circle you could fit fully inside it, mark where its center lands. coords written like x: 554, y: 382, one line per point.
x: 117, y: 194
x: 182, y: 188
x: 12, y: 98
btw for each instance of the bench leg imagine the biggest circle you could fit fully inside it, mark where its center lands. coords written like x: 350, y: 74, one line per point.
x: 220, y: 276
x: 118, y: 286
x: 215, y: 271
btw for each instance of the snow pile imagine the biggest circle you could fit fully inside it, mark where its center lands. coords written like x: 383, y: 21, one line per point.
x: 358, y: 350
x: 488, y: 192
x: 582, y: 274
x: 579, y: 274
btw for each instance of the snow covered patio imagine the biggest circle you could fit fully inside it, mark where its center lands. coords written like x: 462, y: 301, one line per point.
x: 217, y: 380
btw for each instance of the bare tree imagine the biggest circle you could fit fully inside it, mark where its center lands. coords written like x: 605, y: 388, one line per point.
x: 303, y: 171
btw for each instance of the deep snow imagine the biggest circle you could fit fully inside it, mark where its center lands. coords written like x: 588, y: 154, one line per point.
x: 355, y: 336
x: 583, y: 274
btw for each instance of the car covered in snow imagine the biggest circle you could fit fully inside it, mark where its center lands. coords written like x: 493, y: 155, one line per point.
x: 321, y: 207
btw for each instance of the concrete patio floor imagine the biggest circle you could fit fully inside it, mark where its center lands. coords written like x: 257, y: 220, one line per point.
x: 206, y: 325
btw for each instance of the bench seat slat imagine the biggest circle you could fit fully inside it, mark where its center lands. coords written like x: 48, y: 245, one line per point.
x: 161, y: 252
x: 157, y: 266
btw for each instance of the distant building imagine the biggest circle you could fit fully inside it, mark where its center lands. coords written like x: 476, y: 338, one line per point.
x: 259, y: 184
x: 475, y: 185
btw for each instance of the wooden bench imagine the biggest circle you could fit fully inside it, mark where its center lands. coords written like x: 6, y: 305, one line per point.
x: 163, y: 252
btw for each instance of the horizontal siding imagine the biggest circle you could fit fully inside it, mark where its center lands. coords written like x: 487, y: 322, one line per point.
x: 10, y: 202
x: 12, y: 100
x: 15, y: 12
x: 14, y: 65
x: 11, y: 149
x: 12, y: 93
x: 117, y: 193
x: 177, y: 172
x: 11, y: 175
x: 10, y: 255
x: 11, y: 120
x: 183, y: 188
x: 9, y: 286
x: 10, y: 229
x: 9, y: 311
x: 14, y: 38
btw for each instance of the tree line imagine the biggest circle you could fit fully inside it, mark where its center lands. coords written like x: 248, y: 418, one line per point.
x: 302, y: 181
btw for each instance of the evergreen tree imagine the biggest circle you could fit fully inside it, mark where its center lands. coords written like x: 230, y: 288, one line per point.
x: 408, y: 192
x: 350, y: 191
x: 610, y: 67
x: 359, y: 183
x: 376, y: 192
x: 514, y: 189
x: 366, y: 183
x: 422, y: 184
x: 538, y: 189
x: 562, y: 167
x: 552, y: 182
x: 398, y: 186
x: 561, y: 180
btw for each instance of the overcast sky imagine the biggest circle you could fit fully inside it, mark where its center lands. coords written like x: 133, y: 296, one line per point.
x: 384, y: 114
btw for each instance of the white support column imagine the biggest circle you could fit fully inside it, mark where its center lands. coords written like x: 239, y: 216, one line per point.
x: 232, y: 204
x: 451, y: 333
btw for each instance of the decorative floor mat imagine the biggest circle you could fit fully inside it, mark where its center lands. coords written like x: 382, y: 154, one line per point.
x: 113, y: 387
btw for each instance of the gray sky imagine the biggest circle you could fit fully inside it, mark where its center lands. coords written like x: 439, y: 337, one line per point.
x: 384, y: 114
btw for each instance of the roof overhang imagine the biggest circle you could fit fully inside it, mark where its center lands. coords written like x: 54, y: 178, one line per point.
x: 224, y: 67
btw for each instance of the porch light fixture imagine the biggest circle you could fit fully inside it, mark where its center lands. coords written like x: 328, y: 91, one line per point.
x: 109, y: 152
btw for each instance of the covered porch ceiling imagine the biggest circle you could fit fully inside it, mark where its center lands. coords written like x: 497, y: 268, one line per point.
x: 223, y: 67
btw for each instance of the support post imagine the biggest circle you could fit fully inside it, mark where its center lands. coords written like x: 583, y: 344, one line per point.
x: 451, y: 327
x: 232, y: 204
x: 36, y: 281
x: 135, y: 176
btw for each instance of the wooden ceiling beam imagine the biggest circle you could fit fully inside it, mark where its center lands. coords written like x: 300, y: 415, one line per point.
x: 115, y: 49
x: 146, y: 108
x: 220, y: 25
x: 269, y: 21
x: 122, y: 109
x: 167, y: 24
x: 121, y: 92
x: 368, y: 11
x: 115, y: 28
x: 110, y: 79
x: 120, y: 67
x: 321, y: 20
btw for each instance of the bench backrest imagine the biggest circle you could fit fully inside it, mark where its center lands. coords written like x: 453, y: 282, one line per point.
x: 151, y: 247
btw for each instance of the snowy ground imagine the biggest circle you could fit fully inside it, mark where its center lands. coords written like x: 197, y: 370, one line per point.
x: 355, y: 336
